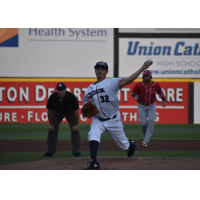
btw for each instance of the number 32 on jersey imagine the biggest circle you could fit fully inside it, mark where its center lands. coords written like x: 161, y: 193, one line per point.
x: 104, y: 99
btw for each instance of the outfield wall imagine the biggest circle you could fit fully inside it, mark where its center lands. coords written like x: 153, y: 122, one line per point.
x: 24, y: 100
x: 34, y: 60
x: 73, y: 52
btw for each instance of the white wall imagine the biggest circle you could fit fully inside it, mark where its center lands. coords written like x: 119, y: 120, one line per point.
x: 173, y: 57
x: 65, y: 52
x: 197, y: 103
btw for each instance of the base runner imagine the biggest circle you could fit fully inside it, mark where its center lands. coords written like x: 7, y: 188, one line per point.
x: 145, y: 94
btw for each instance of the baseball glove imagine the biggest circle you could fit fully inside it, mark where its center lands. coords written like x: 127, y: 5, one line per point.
x: 89, y: 110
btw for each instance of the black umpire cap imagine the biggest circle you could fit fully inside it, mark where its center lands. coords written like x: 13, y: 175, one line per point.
x: 101, y: 64
x: 60, y: 86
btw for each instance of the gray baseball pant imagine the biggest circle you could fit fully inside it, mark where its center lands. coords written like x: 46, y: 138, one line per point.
x: 147, y: 111
x: 53, y: 135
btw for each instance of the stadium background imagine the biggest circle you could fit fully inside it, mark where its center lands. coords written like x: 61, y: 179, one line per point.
x: 33, y: 60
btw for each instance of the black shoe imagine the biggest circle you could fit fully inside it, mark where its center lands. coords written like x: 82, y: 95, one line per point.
x: 77, y: 154
x: 130, y: 152
x: 94, y: 165
x: 47, y: 154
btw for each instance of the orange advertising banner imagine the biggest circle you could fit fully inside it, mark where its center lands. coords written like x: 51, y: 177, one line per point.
x: 24, y: 100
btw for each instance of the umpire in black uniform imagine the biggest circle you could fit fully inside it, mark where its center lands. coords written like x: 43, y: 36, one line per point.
x: 62, y: 104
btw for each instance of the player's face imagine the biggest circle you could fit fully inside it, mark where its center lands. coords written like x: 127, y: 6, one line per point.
x: 101, y: 72
x: 147, y: 79
x: 61, y: 93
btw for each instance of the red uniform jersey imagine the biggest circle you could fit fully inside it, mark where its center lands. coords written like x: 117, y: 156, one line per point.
x: 147, y: 92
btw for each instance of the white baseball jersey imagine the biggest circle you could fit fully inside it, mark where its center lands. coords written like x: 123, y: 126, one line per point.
x: 104, y: 96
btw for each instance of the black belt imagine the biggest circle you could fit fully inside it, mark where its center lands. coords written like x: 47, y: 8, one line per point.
x: 141, y: 103
x: 144, y: 104
x: 105, y: 119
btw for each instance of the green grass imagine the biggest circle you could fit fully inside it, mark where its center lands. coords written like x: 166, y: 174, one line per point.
x: 20, y: 157
x: 39, y: 132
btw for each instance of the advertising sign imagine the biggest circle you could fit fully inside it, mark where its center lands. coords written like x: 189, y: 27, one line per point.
x: 172, y: 58
x: 54, y: 52
x: 24, y: 100
x: 159, y: 30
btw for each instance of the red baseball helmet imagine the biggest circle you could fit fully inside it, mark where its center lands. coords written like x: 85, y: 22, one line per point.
x: 146, y: 73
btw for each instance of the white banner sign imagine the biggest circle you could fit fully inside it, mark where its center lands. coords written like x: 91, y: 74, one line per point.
x: 172, y: 58
x: 196, y: 103
x: 159, y: 30
x: 55, y: 52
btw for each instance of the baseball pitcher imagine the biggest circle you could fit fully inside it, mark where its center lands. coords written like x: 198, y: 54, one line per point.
x: 103, y: 95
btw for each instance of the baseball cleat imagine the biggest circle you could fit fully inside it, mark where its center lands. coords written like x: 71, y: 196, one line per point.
x: 144, y: 144
x: 77, y: 154
x: 93, y: 165
x: 131, y: 149
x: 47, y: 154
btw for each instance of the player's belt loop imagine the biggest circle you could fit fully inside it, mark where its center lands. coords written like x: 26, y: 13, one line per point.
x: 105, y: 119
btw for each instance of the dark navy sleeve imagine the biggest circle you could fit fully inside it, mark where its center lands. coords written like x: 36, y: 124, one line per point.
x: 74, y: 104
x: 50, y: 102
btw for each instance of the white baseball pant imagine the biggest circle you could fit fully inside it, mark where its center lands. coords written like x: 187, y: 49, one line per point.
x: 115, y: 129
x: 147, y: 111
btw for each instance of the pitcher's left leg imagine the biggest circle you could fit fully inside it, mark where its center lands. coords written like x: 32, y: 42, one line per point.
x: 115, y: 129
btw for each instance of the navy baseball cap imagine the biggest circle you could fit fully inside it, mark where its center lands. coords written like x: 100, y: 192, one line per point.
x: 60, y: 86
x: 101, y: 64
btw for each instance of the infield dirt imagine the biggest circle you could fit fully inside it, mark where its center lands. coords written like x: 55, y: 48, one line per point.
x: 106, y: 162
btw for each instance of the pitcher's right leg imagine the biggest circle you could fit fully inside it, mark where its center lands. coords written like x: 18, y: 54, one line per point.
x: 94, y: 137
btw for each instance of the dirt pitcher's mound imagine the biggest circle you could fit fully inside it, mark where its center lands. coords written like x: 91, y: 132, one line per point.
x: 109, y: 163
